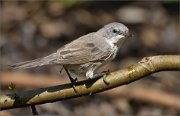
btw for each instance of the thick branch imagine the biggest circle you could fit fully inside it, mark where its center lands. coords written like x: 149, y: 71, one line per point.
x: 145, y: 67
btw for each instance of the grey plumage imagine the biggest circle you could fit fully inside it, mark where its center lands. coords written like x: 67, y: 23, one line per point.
x: 50, y: 59
x: 88, y: 48
x: 87, y: 53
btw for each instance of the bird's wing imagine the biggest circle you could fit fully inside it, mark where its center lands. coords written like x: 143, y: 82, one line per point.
x: 88, y: 48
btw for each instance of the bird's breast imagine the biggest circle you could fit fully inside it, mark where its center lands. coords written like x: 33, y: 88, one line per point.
x: 79, y: 68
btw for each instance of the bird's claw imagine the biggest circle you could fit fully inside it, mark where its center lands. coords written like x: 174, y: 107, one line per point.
x: 103, y: 74
x: 106, y: 72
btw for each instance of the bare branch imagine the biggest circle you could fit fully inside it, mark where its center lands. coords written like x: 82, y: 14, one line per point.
x: 137, y: 71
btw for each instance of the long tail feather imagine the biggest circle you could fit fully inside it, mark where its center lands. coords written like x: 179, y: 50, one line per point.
x: 50, y: 59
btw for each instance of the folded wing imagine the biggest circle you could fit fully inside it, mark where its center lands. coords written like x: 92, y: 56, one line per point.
x: 88, y: 48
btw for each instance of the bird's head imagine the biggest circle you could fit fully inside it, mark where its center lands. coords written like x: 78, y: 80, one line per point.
x: 114, y: 33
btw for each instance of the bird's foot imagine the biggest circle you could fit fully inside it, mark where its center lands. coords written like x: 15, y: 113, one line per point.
x: 103, y: 74
x: 106, y: 72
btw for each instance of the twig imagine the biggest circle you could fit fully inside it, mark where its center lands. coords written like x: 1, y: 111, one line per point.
x: 137, y: 71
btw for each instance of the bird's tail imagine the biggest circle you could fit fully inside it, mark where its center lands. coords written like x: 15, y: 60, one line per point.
x: 50, y: 59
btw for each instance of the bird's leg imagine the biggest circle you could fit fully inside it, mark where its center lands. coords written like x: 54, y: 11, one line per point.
x: 61, y: 70
x: 71, y: 79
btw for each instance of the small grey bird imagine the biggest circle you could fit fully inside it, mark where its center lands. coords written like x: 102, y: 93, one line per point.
x: 87, y: 53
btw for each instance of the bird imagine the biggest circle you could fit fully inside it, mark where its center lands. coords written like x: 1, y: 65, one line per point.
x: 84, y: 55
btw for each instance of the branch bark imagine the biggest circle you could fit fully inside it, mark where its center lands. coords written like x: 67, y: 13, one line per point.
x: 137, y: 71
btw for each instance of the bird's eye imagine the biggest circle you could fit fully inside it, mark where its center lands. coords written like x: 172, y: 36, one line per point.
x: 115, y: 31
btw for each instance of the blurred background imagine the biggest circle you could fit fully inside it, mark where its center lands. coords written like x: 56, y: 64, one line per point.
x: 33, y: 29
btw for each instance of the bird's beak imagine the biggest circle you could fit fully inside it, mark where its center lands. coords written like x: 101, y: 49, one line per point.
x: 124, y: 35
x: 121, y: 36
x: 128, y: 34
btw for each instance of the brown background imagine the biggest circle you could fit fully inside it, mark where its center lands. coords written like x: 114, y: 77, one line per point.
x: 32, y: 29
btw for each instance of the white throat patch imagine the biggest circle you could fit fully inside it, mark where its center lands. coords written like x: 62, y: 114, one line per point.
x: 113, y: 41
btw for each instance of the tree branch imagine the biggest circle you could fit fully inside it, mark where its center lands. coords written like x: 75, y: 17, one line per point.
x: 137, y: 71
